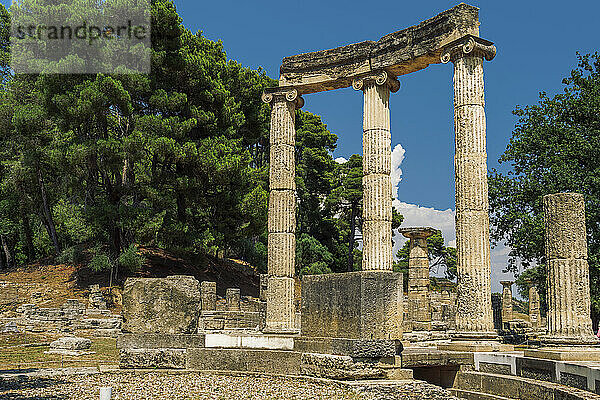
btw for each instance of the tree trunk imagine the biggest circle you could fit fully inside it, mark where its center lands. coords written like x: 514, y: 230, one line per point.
x: 47, y: 213
x: 6, y: 251
x: 28, y: 234
x: 351, y: 237
x: 2, y: 262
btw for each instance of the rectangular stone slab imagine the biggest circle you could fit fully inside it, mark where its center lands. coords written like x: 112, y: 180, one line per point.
x: 159, y: 340
x: 354, y: 305
x: 355, y: 348
x: 400, y: 53
x: 565, y: 353
x: 252, y: 360
x: 161, y: 305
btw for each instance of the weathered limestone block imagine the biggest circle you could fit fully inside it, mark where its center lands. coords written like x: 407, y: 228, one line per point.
x: 282, y: 173
x: 568, y: 272
x: 158, y: 341
x: 338, y: 367
x: 353, y: 305
x: 282, y: 211
x: 10, y: 327
x: 232, y: 297
x: 564, y: 219
x: 282, y: 362
x: 377, y: 197
x: 96, y: 298
x: 161, y: 305
x: 418, y: 277
x: 282, y: 129
x: 208, y: 292
x: 152, y: 358
x: 377, y: 246
x: 376, y: 147
x: 100, y: 323
x: 355, y: 348
x: 534, y: 308
x: 401, y: 52
x: 73, y: 306
x: 264, y: 279
x: 281, y: 261
x: 280, y: 305
x: 71, y: 343
x: 507, y: 306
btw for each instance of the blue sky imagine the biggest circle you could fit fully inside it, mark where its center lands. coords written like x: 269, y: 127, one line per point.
x: 536, y: 40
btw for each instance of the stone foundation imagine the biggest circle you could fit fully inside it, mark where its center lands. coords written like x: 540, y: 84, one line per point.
x: 71, y: 317
x: 353, y: 305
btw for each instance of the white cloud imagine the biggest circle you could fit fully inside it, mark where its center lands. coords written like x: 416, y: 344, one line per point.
x: 341, y: 160
x: 417, y: 215
x: 397, y: 158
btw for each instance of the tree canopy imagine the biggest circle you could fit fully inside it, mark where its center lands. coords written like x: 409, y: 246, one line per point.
x: 555, y: 147
x: 177, y: 158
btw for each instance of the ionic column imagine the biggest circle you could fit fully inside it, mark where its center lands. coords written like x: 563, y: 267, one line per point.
x: 507, y: 306
x: 377, y: 166
x: 418, y: 277
x: 534, y: 306
x: 474, y: 310
x: 568, y: 281
x: 280, y: 313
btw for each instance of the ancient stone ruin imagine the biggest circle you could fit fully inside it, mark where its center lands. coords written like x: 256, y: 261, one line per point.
x: 361, y: 325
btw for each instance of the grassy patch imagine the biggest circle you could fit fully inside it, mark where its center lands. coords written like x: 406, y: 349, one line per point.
x: 13, y: 356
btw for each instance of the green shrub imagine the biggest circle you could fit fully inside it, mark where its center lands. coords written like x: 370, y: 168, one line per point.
x: 130, y: 260
x: 100, y: 262
x: 70, y: 255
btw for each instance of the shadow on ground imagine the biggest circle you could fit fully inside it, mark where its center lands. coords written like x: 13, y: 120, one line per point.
x: 9, y: 386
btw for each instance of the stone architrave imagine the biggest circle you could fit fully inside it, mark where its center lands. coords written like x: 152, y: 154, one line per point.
x: 569, y: 319
x: 208, y: 291
x: 418, y: 277
x: 474, y: 319
x: 507, y: 305
x: 280, y: 312
x: 377, y: 156
x: 534, y: 307
x: 232, y: 298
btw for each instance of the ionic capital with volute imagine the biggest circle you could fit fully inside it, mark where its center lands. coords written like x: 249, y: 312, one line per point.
x: 468, y: 46
x: 380, y: 78
x: 283, y: 94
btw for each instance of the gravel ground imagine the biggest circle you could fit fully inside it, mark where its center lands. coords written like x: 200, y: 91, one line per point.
x: 154, y: 385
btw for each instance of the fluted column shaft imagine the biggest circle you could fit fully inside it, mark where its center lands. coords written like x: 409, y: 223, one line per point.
x: 418, y: 277
x: 377, y: 185
x: 568, y: 272
x: 474, y: 309
x: 507, y: 306
x: 280, y: 312
x: 534, y: 307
